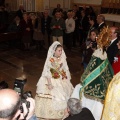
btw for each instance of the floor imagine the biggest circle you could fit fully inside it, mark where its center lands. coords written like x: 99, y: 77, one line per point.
x: 16, y: 63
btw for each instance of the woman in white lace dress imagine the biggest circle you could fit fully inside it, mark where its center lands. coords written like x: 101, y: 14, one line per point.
x: 54, y: 87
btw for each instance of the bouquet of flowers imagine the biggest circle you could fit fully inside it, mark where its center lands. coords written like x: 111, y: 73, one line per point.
x: 54, y: 73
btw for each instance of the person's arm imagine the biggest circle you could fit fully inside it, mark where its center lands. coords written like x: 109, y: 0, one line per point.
x: 28, y: 113
x: 50, y: 86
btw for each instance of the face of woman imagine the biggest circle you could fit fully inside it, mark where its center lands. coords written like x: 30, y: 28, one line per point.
x: 93, y: 36
x: 58, y: 52
x: 118, y: 44
x: 91, y: 22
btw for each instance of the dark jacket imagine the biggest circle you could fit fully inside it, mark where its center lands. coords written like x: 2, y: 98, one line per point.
x: 45, y: 25
x: 13, y: 27
x: 57, y: 10
x: 84, y: 23
x: 19, y: 13
x: 57, y: 31
x: 112, y: 51
x: 25, y: 25
x: 85, y: 114
x: 101, y: 27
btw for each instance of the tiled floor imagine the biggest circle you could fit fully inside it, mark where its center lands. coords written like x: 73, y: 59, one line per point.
x: 16, y: 63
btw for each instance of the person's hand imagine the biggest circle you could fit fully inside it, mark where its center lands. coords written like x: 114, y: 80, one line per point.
x: 50, y: 86
x: 66, y: 114
x: 28, y: 29
x: 25, y: 109
x: 90, y: 45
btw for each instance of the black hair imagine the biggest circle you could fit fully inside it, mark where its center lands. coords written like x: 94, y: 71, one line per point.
x: 10, y: 112
x: 58, y: 46
x: 93, y: 18
x: 95, y: 31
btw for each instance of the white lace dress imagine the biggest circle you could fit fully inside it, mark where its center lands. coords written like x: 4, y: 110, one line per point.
x: 52, y: 103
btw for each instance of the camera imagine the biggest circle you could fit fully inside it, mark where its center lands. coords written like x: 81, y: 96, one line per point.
x: 19, y: 85
x: 94, y: 45
x: 23, y: 100
x: 19, y: 88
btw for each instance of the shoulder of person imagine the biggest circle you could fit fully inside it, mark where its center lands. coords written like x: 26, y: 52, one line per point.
x: 87, y: 113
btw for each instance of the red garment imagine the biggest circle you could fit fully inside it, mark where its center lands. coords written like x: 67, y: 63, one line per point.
x: 116, y: 65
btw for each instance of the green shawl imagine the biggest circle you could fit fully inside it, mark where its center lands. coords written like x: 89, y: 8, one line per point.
x: 96, y: 78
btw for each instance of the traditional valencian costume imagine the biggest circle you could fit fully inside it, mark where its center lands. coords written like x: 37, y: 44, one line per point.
x: 96, y: 78
x: 111, y: 109
x: 51, y: 104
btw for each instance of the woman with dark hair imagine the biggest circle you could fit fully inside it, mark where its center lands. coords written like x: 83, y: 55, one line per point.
x: 89, y: 47
x: 93, y: 24
x: 91, y: 12
x: 116, y: 63
x: 54, y: 87
x: 96, y: 77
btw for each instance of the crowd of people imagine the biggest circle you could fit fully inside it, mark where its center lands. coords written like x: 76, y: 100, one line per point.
x: 55, y: 96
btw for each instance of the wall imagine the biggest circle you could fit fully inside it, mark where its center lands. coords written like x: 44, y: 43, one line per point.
x: 39, y: 5
x: 95, y: 2
x: 12, y: 4
x: 51, y: 4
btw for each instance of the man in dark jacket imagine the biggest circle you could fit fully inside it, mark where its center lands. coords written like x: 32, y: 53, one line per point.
x: 77, y: 112
x: 58, y: 26
x: 20, y: 12
x: 45, y: 28
x: 113, y: 49
x: 101, y: 22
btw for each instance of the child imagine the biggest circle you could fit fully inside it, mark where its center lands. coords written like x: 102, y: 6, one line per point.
x: 90, y: 46
x: 54, y: 87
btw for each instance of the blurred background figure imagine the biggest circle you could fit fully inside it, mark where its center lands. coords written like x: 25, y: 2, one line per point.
x: 89, y: 47
x: 83, y: 27
x: 45, y: 28
x: 76, y: 11
x: 15, y: 25
x: 20, y: 12
x: 92, y: 25
x: 116, y: 63
x: 101, y: 22
x: 57, y: 9
x: 70, y: 27
x: 58, y: 27
x: 113, y: 48
x: 26, y: 27
x: 37, y: 34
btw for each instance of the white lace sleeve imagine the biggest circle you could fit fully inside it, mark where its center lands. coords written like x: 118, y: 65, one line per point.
x: 46, y: 72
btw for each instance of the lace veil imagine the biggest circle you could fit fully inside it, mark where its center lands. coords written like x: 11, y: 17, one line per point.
x: 50, y: 54
x: 46, y: 70
x: 60, y: 94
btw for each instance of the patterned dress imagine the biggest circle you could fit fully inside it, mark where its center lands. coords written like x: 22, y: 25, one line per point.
x: 51, y: 104
x: 112, y: 100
